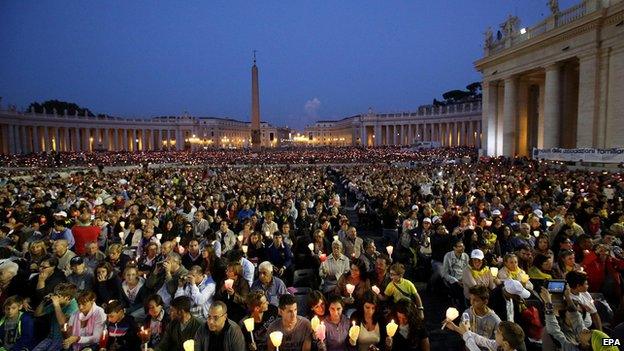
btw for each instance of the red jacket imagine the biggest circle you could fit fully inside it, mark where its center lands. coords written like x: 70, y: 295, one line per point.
x: 84, y: 235
x: 597, y: 271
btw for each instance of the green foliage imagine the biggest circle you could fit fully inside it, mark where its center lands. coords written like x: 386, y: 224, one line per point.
x: 60, y: 107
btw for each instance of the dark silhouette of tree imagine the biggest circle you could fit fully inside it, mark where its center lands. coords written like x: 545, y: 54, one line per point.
x: 474, y: 88
x: 454, y: 96
x: 60, y: 107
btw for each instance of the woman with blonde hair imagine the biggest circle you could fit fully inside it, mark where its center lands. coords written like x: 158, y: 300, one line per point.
x: 511, y: 270
x: 477, y: 273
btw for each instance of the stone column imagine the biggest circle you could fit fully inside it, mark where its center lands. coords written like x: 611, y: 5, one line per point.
x: 179, y: 140
x: 471, y: 140
x: 46, y: 140
x: 86, y: 133
x: 106, y: 139
x: 378, y: 137
x: 489, y: 117
x: 588, y: 98
x: 510, y: 111
x: 11, y: 138
x: 36, y: 140
x: 548, y: 126
x: 125, y: 139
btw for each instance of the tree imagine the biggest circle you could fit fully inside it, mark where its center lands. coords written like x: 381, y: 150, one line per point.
x: 60, y: 107
x: 474, y: 88
x: 454, y: 96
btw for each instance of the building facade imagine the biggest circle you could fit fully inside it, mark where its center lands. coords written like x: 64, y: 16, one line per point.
x: 26, y: 132
x: 452, y: 125
x: 559, y: 83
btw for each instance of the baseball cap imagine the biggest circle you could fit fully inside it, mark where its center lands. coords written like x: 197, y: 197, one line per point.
x: 514, y: 287
x: 436, y: 218
x: 61, y: 214
x: 539, y: 213
x: 427, y: 219
x: 478, y: 254
x: 496, y: 213
x: 76, y: 260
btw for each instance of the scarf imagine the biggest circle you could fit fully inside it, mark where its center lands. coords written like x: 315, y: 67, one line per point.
x: 131, y: 293
x: 596, y: 341
x: 477, y: 274
x: 536, y: 273
x: 515, y: 275
x: 89, y: 328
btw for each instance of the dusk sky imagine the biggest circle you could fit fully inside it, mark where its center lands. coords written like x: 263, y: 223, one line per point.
x: 317, y: 59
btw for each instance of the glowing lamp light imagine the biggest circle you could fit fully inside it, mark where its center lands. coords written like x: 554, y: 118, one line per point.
x: 315, y: 322
x: 389, y: 249
x: 375, y: 289
x: 228, y: 283
x: 276, y: 339
x: 494, y: 271
x: 350, y: 288
x: 354, y: 331
x: 189, y: 345
x: 452, y: 313
x: 391, y: 328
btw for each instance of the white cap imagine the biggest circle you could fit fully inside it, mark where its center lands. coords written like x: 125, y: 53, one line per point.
x: 427, y: 219
x: 478, y: 254
x: 514, y: 287
x: 61, y: 213
x: 496, y: 213
x: 415, y: 207
x: 539, y: 213
x: 436, y: 218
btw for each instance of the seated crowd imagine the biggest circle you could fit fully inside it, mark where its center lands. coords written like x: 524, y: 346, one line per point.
x: 258, y: 258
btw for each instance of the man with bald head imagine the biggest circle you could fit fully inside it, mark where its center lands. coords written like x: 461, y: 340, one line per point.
x: 219, y: 332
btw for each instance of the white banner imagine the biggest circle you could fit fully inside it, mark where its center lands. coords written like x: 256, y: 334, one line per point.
x: 577, y: 155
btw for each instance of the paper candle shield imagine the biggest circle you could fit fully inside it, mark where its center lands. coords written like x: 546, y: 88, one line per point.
x: 494, y: 271
x: 276, y: 338
x: 189, y: 345
x: 452, y: 313
x: 350, y: 288
x: 249, y: 324
x: 315, y: 322
x: 375, y: 289
x: 228, y: 283
x: 391, y: 328
x: 389, y: 249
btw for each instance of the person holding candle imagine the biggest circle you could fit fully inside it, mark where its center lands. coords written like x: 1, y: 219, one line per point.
x: 219, y: 332
x: 316, y: 303
x: 337, y: 327
x: 511, y: 270
x: 157, y: 319
x: 509, y: 336
x: 233, y: 291
x: 61, y: 305
x: 297, y: 331
x: 411, y: 334
x: 134, y: 292
x: 371, y: 322
x: 333, y: 268
x: 356, y: 279
x: 122, y: 331
x: 483, y: 320
x: 257, y: 248
x: 477, y: 273
x: 116, y: 257
x: 183, y: 326
x: 86, y: 325
x: 256, y: 324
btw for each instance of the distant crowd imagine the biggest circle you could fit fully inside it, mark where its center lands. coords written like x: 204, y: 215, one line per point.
x: 528, y: 255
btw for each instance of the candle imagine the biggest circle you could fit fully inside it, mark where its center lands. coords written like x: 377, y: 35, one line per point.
x: 121, y: 235
x: 451, y: 314
x: 354, y: 331
x: 249, y: 325
x: 548, y: 224
x: 315, y: 322
x: 389, y: 249
x: 488, y: 223
x: 536, y: 233
x: 104, y: 339
x: 323, y: 257
x: 189, y: 345
x: 350, y: 288
x: 65, y: 327
x: 178, y: 239
x: 335, y: 237
x: 122, y: 224
x: 228, y: 283
x: 245, y: 248
x: 391, y: 328
x: 276, y: 338
x: 142, y: 222
x: 376, y: 289
x: 240, y: 237
x: 520, y: 217
x: 311, y: 247
x: 494, y: 271
x: 159, y: 236
x: 320, y: 332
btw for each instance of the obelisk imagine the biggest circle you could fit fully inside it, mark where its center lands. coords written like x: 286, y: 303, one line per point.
x: 256, y: 141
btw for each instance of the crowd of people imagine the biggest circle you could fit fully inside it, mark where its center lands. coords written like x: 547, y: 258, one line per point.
x: 312, y: 257
x: 221, y: 157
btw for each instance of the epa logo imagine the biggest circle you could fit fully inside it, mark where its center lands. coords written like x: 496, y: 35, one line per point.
x: 610, y: 342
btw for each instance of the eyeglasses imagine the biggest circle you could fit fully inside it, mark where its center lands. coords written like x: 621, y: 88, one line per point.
x: 215, y: 318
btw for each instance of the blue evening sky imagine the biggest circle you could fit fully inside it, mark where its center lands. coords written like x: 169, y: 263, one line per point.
x: 317, y: 59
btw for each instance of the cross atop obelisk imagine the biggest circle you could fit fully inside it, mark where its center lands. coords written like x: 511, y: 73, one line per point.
x: 256, y: 141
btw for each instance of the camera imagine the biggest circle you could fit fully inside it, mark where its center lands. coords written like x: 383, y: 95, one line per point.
x: 556, y: 286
